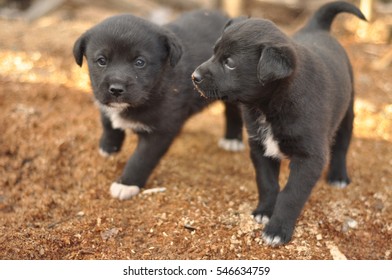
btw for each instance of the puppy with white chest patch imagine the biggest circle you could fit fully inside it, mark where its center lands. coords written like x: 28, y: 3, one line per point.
x: 297, y: 96
x: 140, y: 75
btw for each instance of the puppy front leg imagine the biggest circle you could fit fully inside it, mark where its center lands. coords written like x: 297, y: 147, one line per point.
x: 232, y: 140
x: 111, y: 139
x: 150, y: 149
x: 267, y: 179
x: 304, y: 173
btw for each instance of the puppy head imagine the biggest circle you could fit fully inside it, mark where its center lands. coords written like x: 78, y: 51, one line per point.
x: 250, y: 57
x: 126, y: 57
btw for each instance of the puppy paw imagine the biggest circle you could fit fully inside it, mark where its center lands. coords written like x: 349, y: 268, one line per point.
x: 232, y: 145
x: 263, y: 213
x: 338, y: 178
x: 338, y: 184
x: 272, y: 240
x: 261, y: 219
x: 277, y: 233
x: 111, y: 143
x: 123, y: 192
x: 104, y: 153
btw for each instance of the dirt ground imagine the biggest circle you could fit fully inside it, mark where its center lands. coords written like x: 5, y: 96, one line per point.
x: 54, y: 186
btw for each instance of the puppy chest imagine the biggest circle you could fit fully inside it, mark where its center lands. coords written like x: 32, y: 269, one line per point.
x: 266, y: 138
x: 118, y: 122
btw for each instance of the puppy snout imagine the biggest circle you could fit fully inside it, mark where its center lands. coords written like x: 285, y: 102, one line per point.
x: 196, y: 77
x: 116, y: 89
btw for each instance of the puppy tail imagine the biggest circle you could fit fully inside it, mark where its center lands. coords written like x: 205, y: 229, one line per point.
x: 323, y: 17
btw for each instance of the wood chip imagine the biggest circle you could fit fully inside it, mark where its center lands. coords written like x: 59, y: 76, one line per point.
x: 335, y: 252
x: 319, y: 237
x: 189, y: 227
x: 154, y: 190
x: 109, y: 233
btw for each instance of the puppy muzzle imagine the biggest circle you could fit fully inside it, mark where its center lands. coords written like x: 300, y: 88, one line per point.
x: 206, y: 92
x: 197, y: 79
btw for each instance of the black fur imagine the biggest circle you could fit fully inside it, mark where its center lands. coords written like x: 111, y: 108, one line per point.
x: 140, y: 75
x: 297, y: 95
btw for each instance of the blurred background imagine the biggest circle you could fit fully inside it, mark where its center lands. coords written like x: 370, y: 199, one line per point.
x: 59, y: 22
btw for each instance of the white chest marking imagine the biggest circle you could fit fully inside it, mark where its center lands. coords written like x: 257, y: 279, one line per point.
x: 118, y: 122
x: 266, y: 137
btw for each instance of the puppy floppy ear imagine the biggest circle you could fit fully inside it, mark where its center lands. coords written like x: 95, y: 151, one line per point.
x: 276, y: 62
x: 173, y: 47
x: 79, y: 49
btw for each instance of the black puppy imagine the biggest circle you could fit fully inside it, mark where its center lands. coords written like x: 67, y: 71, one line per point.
x: 297, y: 96
x: 140, y: 75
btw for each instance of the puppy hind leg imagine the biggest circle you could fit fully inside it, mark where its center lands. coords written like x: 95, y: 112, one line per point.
x: 337, y: 174
x: 111, y: 139
x: 232, y: 140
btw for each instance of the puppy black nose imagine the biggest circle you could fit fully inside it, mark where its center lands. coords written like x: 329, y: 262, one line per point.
x: 196, y: 77
x: 116, y: 90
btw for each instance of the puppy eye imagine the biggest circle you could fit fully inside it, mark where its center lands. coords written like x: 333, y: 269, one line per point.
x: 140, y: 62
x: 229, y: 63
x: 102, y: 61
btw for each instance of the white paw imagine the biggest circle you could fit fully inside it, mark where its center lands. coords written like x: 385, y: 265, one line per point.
x: 261, y: 219
x: 232, y: 145
x: 103, y: 153
x: 272, y: 240
x: 123, y: 192
x: 339, y: 184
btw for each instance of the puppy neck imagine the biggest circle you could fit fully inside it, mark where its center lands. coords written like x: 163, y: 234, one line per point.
x: 268, y: 96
